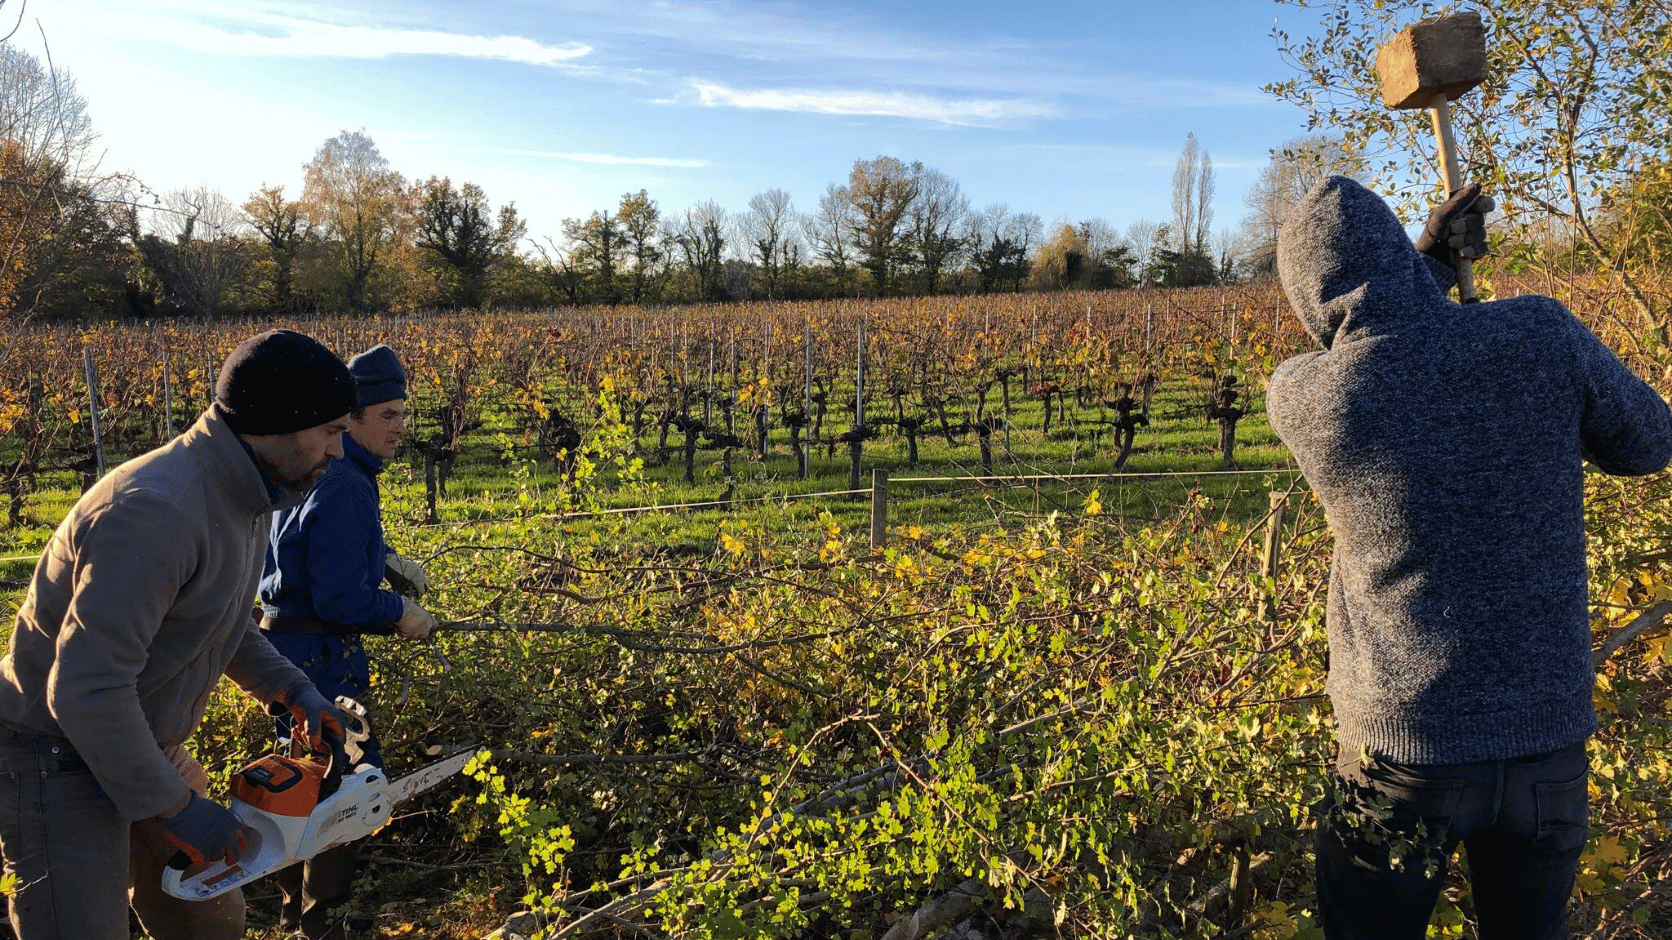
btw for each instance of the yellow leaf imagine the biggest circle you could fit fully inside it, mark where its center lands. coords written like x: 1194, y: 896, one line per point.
x: 1608, y: 851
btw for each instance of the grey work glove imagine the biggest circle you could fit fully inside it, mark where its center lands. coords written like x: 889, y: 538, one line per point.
x: 312, y: 715
x: 415, y: 623
x: 405, y: 576
x: 204, y: 831
x: 1457, y: 227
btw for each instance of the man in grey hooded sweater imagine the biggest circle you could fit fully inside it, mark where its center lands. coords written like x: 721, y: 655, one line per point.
x: 1447, y: 444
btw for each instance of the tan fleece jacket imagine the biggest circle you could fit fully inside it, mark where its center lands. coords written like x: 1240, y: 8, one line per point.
x: 140, y: 603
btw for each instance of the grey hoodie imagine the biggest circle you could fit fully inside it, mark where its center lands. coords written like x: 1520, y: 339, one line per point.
x: 1446, y: 444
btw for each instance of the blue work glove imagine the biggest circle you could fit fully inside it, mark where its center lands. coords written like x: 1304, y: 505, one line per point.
x: 312, y: 715
x: 204, y: 831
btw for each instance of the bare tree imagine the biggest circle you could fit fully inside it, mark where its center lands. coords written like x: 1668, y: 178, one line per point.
x: 938, y: 217
x: 1293, y: 170
x: 830, y: 232
x: 196, y: 248
x: 1184, y: 194
x: 700, y: 235
x: 1204, y: 201
x: 1227, y: 252
x: 1141, y: 235
x: 770, y: 236
x: 50, y: 185
x: 1187, y: 262
x: 1001, y: 244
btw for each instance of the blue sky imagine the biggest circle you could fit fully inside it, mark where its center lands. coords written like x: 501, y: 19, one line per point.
x: 1070, y: 109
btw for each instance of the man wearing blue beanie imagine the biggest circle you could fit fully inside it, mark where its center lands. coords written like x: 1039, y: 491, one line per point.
x: 321, y: 590
x: 1447, y: 444
x: 140, y: 603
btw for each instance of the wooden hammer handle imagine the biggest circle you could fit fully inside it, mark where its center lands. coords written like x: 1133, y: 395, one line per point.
x: 1441, y: 111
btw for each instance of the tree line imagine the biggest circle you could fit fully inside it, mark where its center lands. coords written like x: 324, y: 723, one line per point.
x: 360, y: 236
x: 1572, y: 140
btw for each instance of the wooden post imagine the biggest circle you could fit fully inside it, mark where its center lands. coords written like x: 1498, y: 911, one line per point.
x: 93, y: 406
x: 1269, y: 552
x: 168, y: 401
x: 859, y: 381
x: 879, y: 508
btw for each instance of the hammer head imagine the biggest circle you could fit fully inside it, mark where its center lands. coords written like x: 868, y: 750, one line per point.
x: 1442, y: 56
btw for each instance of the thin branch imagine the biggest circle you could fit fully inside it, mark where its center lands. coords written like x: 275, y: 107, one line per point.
x: 1652, y: 617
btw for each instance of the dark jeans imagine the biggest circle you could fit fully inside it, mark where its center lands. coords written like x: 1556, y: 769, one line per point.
x: 1388, y: 831
x: 313, y: 893
x: 79, y: 864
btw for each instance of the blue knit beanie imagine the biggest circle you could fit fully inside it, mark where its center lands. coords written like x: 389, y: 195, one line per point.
x: 378, y: 375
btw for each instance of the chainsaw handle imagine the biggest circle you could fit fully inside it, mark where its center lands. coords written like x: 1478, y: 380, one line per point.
x: 335, y: 768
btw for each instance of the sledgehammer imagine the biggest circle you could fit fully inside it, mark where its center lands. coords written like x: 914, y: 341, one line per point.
x: 1427, y: 66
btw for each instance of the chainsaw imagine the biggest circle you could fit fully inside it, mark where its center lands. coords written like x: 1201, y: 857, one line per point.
x: 297, y: 806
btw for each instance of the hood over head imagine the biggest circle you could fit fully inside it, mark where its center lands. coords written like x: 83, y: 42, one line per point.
x: 1347, y: 264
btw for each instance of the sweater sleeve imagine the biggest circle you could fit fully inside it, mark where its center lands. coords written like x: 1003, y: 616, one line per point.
x: 125, y: 582
x: 260, y: 670
x: 1626, y: 429
x: 1444, y: 274
x: 344, y: 533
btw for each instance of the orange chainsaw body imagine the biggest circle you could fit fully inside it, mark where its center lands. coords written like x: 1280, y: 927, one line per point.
x: 281, y: 785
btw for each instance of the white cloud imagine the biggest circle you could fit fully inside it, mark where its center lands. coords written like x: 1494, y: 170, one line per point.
x: 261, y: 34
x: 602, y: 158
x: 884, y: 104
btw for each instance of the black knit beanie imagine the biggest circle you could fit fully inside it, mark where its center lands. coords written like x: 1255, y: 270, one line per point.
x: 281, y: 382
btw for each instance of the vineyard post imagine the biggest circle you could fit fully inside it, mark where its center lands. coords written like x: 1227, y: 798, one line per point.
x: 859, y: 380
x: 761, y: 416
x: 168, y: 400
x: 879, y: 508
x: 93, y: 405
x: 1149, y: 333
x: 804, y: 450
x: 1268, y: 554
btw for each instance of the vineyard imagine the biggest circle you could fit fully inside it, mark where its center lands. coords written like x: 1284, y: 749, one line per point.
x: 1071, y: 684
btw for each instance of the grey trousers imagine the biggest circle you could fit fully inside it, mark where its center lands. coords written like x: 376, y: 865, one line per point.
x: 79, y: 864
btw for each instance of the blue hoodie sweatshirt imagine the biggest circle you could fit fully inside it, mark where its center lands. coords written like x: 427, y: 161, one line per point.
x: 325, y: 560
x: 1447, y: 444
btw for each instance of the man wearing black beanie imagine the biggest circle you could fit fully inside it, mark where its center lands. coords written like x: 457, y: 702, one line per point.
x: 140, y: 603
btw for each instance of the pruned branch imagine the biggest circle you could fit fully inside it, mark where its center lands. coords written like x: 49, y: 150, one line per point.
x: 1652, y: 617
